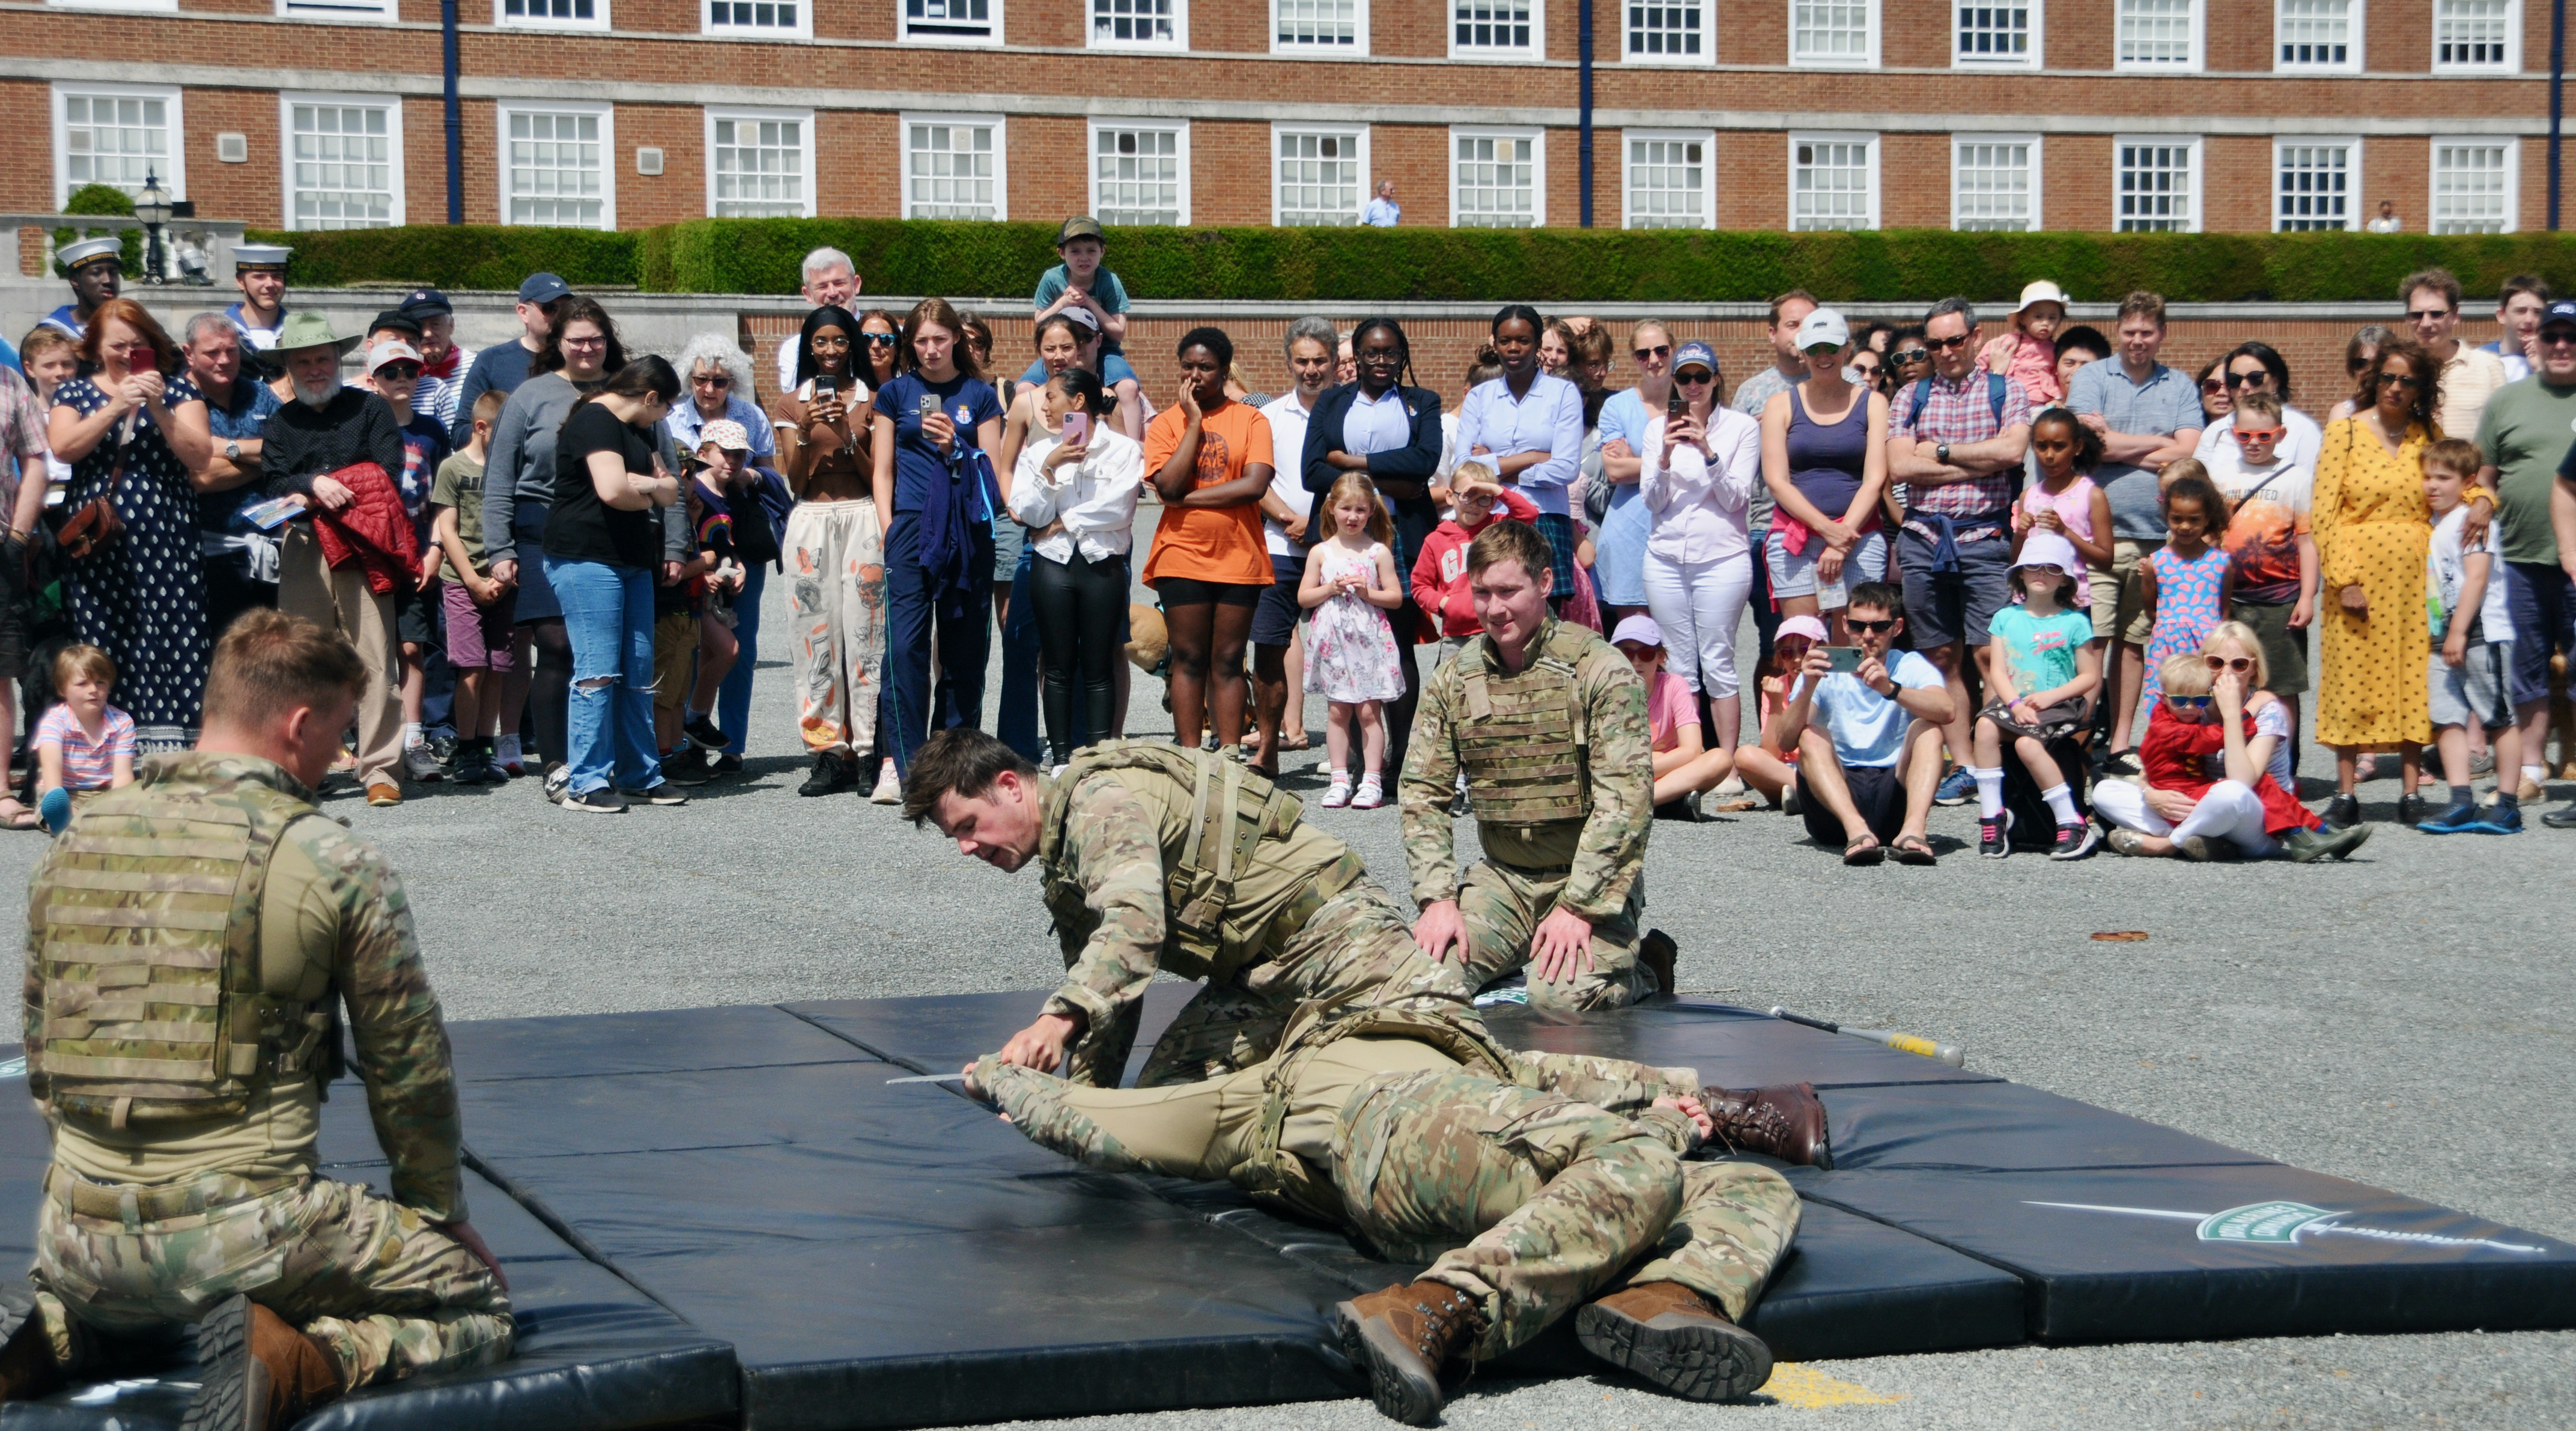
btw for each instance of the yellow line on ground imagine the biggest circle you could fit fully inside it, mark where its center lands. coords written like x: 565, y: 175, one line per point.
x: 1793, y: 1384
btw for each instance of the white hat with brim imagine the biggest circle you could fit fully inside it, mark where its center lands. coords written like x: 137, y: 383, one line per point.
x: 2051, y: 551
x: 73, y: 255
x: 260, y: 255
x: 311, y: 330
x: 2040, y: 291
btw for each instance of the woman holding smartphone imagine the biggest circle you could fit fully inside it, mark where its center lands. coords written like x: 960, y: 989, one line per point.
x: 835, y: 551
x: 1696, y: 483
x: 1076, y: 493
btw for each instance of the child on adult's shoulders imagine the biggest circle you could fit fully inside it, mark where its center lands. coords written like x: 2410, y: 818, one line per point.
x: 2028, y: 354
x: 1685, y: 768
x: 83, y: 745
x: 1080, y: 281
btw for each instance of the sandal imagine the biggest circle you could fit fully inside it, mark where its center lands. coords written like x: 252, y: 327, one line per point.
x: 1914, y: 850
x: 18, y: 817
x: 1864, y: 851
x: 1294, y: 742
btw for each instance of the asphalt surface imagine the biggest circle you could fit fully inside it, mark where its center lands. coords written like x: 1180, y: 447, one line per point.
x: 2407, y: 1019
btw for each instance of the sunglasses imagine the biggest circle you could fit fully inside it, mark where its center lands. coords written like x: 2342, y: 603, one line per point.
x: 711, y: 380
x: 877, y: 340
x: 2213, y: 385
x: 2560, y: 339
x: 1914, y: 355
x: 2238, y: 664
x: 2355, y: 365
x: 2427, y: 315
x: 2254, y: 379
x: 1947, y: 345
x: 1822, y: 351
x: 2403, y: 380
x: 2259, y: 434
x: 1695, y: 379
x: 1870, y: 627
x: 2188, y: 703
x: 1662, y: 350
x: 397, y: 372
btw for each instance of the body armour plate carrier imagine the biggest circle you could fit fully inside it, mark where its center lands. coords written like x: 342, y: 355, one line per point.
x: 1525, y: 740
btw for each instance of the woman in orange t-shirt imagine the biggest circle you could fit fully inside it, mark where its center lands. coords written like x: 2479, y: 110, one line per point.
x: 1210, y: 460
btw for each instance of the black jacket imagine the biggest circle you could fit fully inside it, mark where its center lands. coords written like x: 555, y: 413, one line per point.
x: 1404, y: 475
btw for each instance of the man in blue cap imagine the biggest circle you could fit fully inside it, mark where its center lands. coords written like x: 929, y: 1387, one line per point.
x: 443, y: 360
x: 503, y: 366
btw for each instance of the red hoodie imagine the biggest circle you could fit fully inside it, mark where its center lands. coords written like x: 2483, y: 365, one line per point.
x: 1440, y: 573
x: 2174, y: 756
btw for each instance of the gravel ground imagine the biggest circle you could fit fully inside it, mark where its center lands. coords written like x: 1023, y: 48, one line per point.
x: 2406, y: 1020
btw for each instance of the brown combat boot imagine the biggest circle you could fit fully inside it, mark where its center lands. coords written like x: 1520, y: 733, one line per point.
x: 1671, y: 1336
x: 27, y: 1369
x: 1402, y: 1337
x: 1784, y: 1121
x: 257, y: 1372
x: 1659, y: 953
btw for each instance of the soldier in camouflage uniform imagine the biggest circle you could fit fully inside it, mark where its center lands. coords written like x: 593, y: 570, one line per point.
x: 1529, y: 1182
x: 1161, y: 858
x: 191, y: 940
x: 1549, y: 723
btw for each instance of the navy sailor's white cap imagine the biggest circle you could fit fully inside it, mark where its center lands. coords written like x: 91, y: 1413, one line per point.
x: 260, y: 255
x: 73, y: 255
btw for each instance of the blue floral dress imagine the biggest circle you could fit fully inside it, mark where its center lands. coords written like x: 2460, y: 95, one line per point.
x: 143, y: 599
x: 2187, y: 607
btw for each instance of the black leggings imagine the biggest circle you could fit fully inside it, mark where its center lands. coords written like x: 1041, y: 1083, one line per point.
x: 1078, y: 605
x: 550, y: 687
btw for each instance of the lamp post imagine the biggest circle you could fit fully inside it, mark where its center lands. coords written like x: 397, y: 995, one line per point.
x: 153, y: 208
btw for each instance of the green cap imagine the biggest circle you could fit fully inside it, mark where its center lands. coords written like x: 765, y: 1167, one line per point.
x: 1079, y: 226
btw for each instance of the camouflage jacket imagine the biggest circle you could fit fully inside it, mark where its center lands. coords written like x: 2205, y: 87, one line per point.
x: 1602, y: 845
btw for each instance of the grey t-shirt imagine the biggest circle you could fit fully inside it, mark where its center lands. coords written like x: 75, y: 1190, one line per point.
x: 2167, y: 402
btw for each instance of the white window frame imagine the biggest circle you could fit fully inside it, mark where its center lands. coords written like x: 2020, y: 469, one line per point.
x: 2199, y: 45
x: 2199, y: 177
x: 608, y: 166
x: 1834, y: 136
x: 2354, y: 215
x: 2511, y: 63
x: 503, y: 20
x: 1869, y: 61
x: 1538, y: 166
x: 2038, y: 39
x: 1357, y: 49
x: 1708, y: 172
x: 1180, y: 39
x: 1180, y: 151
x: 175, y: 181
x: 164, y: 7
x: 1368, y: 179
x: 2512, y: 175
x: 286, y: 102
x: 1705, y: 59
x: 2038, y: 178
x: 2349, y: 65
x: 364, y: 12
x: 1533, y: 53
x: 1001, y: 155
x: 804, y: 117
x: 803, y: 29
x: 904, y: 36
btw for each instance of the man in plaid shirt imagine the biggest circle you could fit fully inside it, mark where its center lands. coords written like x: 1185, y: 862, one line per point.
x: 1956, y: 441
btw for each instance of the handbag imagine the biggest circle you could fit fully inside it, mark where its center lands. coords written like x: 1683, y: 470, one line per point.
x: 96, y: 526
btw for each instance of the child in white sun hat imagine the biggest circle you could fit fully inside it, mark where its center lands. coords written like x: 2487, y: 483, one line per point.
x: 2028, y: 354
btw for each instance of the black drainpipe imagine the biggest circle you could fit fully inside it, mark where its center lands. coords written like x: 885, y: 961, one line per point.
x: 455, y: 118
x: 1583, y: 144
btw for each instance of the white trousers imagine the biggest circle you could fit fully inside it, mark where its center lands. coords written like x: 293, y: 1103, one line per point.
x: 2231, y: 811
x: 1698, y: 603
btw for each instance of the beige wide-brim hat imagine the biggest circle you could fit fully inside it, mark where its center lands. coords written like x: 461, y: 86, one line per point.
x: 2040, y: 291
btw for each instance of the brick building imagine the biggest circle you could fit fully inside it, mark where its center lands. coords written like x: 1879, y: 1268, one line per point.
x: 2057, y: 114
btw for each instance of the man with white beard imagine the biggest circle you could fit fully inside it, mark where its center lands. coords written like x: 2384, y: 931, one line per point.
x: 323, y: 429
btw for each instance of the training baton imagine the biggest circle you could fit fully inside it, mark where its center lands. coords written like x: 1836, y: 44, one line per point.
x: 931, y: 1078
x: 1950, y: 1054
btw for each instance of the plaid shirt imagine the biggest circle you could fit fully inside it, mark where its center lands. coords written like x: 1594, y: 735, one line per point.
x: 1958, y: 413
x: 22, y: 437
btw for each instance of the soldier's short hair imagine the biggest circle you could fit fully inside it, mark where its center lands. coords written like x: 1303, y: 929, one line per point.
x: 1884, y: 596
x: 268, y: 663
x: 1511, y: 541
x: 963, y: 760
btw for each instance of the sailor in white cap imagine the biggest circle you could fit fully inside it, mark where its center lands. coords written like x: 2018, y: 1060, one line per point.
x: 259, y: 270
x: 97, y: 272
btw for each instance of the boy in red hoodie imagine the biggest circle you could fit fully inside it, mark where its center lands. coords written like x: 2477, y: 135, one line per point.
x: 1439, y: 577
x: 2176, y: 809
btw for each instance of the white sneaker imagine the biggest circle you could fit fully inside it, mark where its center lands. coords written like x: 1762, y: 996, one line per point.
x: 1370, y: 796
x: 1338, y: 794
x: 421, y: 764
x: 505, y: 753
x: 558, y: 783
x: 889, y: 789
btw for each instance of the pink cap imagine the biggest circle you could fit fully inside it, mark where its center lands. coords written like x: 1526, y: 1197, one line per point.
x: 1807, y: 626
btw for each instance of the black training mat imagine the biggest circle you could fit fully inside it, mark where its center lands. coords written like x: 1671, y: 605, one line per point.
x: 1999, y: 1127
x: 944, y: 1032
x: 1731, y: 1047
x: 2127, y: 1256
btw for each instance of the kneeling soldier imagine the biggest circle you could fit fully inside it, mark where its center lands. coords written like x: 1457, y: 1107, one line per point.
x: 191, y: 941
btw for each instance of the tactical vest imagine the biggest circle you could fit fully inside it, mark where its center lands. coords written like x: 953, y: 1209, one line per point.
x: 148, y: 913
x: 1233, y: 809
x: 1525, y: 740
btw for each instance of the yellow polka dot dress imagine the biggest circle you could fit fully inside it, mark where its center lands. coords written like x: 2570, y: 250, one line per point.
x: 2372, y: 527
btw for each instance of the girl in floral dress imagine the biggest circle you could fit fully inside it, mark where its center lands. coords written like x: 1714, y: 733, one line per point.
x: 2186, y: 580
x: 1351, y: 658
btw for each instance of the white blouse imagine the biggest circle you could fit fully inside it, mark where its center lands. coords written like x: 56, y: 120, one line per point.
x: 1698, y: 505
x: 1094, y: 498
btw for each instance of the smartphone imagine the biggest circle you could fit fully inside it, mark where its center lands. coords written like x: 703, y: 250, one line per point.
x: 929, y: 404
x: 1077, y: 427
x: 1677, y: 404
x: 826, y: 387
x: 1846, y: 659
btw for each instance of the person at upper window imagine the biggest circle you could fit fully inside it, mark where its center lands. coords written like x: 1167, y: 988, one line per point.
x: 2387, y: 222
x: 259, y: 271
x: 828, y: 280
x: 1382, y: 211
x: 97, y: 271
x: 1080, y: 281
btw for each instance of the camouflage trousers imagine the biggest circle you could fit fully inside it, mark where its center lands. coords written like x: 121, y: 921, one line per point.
x: 386, y: 1293
x: 1355, y: 951
x: 1502, y: 905
x: 1534, y: 1204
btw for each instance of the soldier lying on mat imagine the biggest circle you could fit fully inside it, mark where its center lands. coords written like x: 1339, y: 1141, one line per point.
x: 1529, y: 1182
x: 1156, y: 857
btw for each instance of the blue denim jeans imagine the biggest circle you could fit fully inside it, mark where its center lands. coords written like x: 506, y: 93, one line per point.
x: 914, y: 706
x: 733, y: 698
x: 608, y: 615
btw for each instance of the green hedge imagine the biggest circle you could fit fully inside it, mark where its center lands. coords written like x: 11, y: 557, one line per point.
x: 1477, y: 265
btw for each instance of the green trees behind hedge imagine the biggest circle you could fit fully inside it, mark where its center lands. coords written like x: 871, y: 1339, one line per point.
x: 902, y: 256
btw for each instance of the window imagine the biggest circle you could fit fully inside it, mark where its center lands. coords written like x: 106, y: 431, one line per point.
x: 343, y: 162
x: 1140, y: 175
x: 1833, y: 181
x: 1997, y: 35
x: 1833, y: 32
x: 2476, y: 34
x: 1321, y: 179
x: 1340, y: 26
x: 2473, y: 186
x: 1128, y: 24
x: 1667, y: 33
x: 117, y: 134
x: 952, y: 167
x: 758, y: 19
x: 1495, y: 178
x: 2157, y: 35
x: 2313, y: 183
x: 1495, y: 29
x: 2317, y: 35
x: 2158, y: 185
x: 337, y: 9
x: 952, y: 22
x: 551, y: 14
x: 1994, y: 182
x: 1668, y: 181
x: 555, y: 166
x: 162, y: 5
x: 760, y: 164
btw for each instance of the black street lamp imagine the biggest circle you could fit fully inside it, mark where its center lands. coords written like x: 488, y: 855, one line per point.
x: 153, y: 207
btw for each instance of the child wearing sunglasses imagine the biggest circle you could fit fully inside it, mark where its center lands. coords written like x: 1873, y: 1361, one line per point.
x: 2270, y: 545
x: 2177, y: 810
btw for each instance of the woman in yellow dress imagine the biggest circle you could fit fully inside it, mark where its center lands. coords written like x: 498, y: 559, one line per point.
x: 2372, y: 528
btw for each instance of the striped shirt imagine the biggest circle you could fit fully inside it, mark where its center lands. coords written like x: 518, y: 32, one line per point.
x: 86, y: 766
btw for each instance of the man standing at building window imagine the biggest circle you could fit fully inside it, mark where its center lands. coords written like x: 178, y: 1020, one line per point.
x: 1383, y: 212
x: 2469, y: 375
x: 96, y: 272
x: 259, y: 271
x: 828, y: 280
x: 2387, y: 222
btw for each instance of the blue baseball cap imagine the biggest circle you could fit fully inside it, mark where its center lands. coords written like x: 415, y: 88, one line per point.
x: 1695, y: 352
x: 543, y: 288
x: 2562, y: 311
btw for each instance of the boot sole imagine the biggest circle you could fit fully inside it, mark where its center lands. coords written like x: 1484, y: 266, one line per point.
x: 232, y: 1394
x: 1692, y: 1357
x: 1396, y: 1380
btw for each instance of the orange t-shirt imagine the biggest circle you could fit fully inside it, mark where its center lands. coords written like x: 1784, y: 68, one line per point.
x: 1213, y: 544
